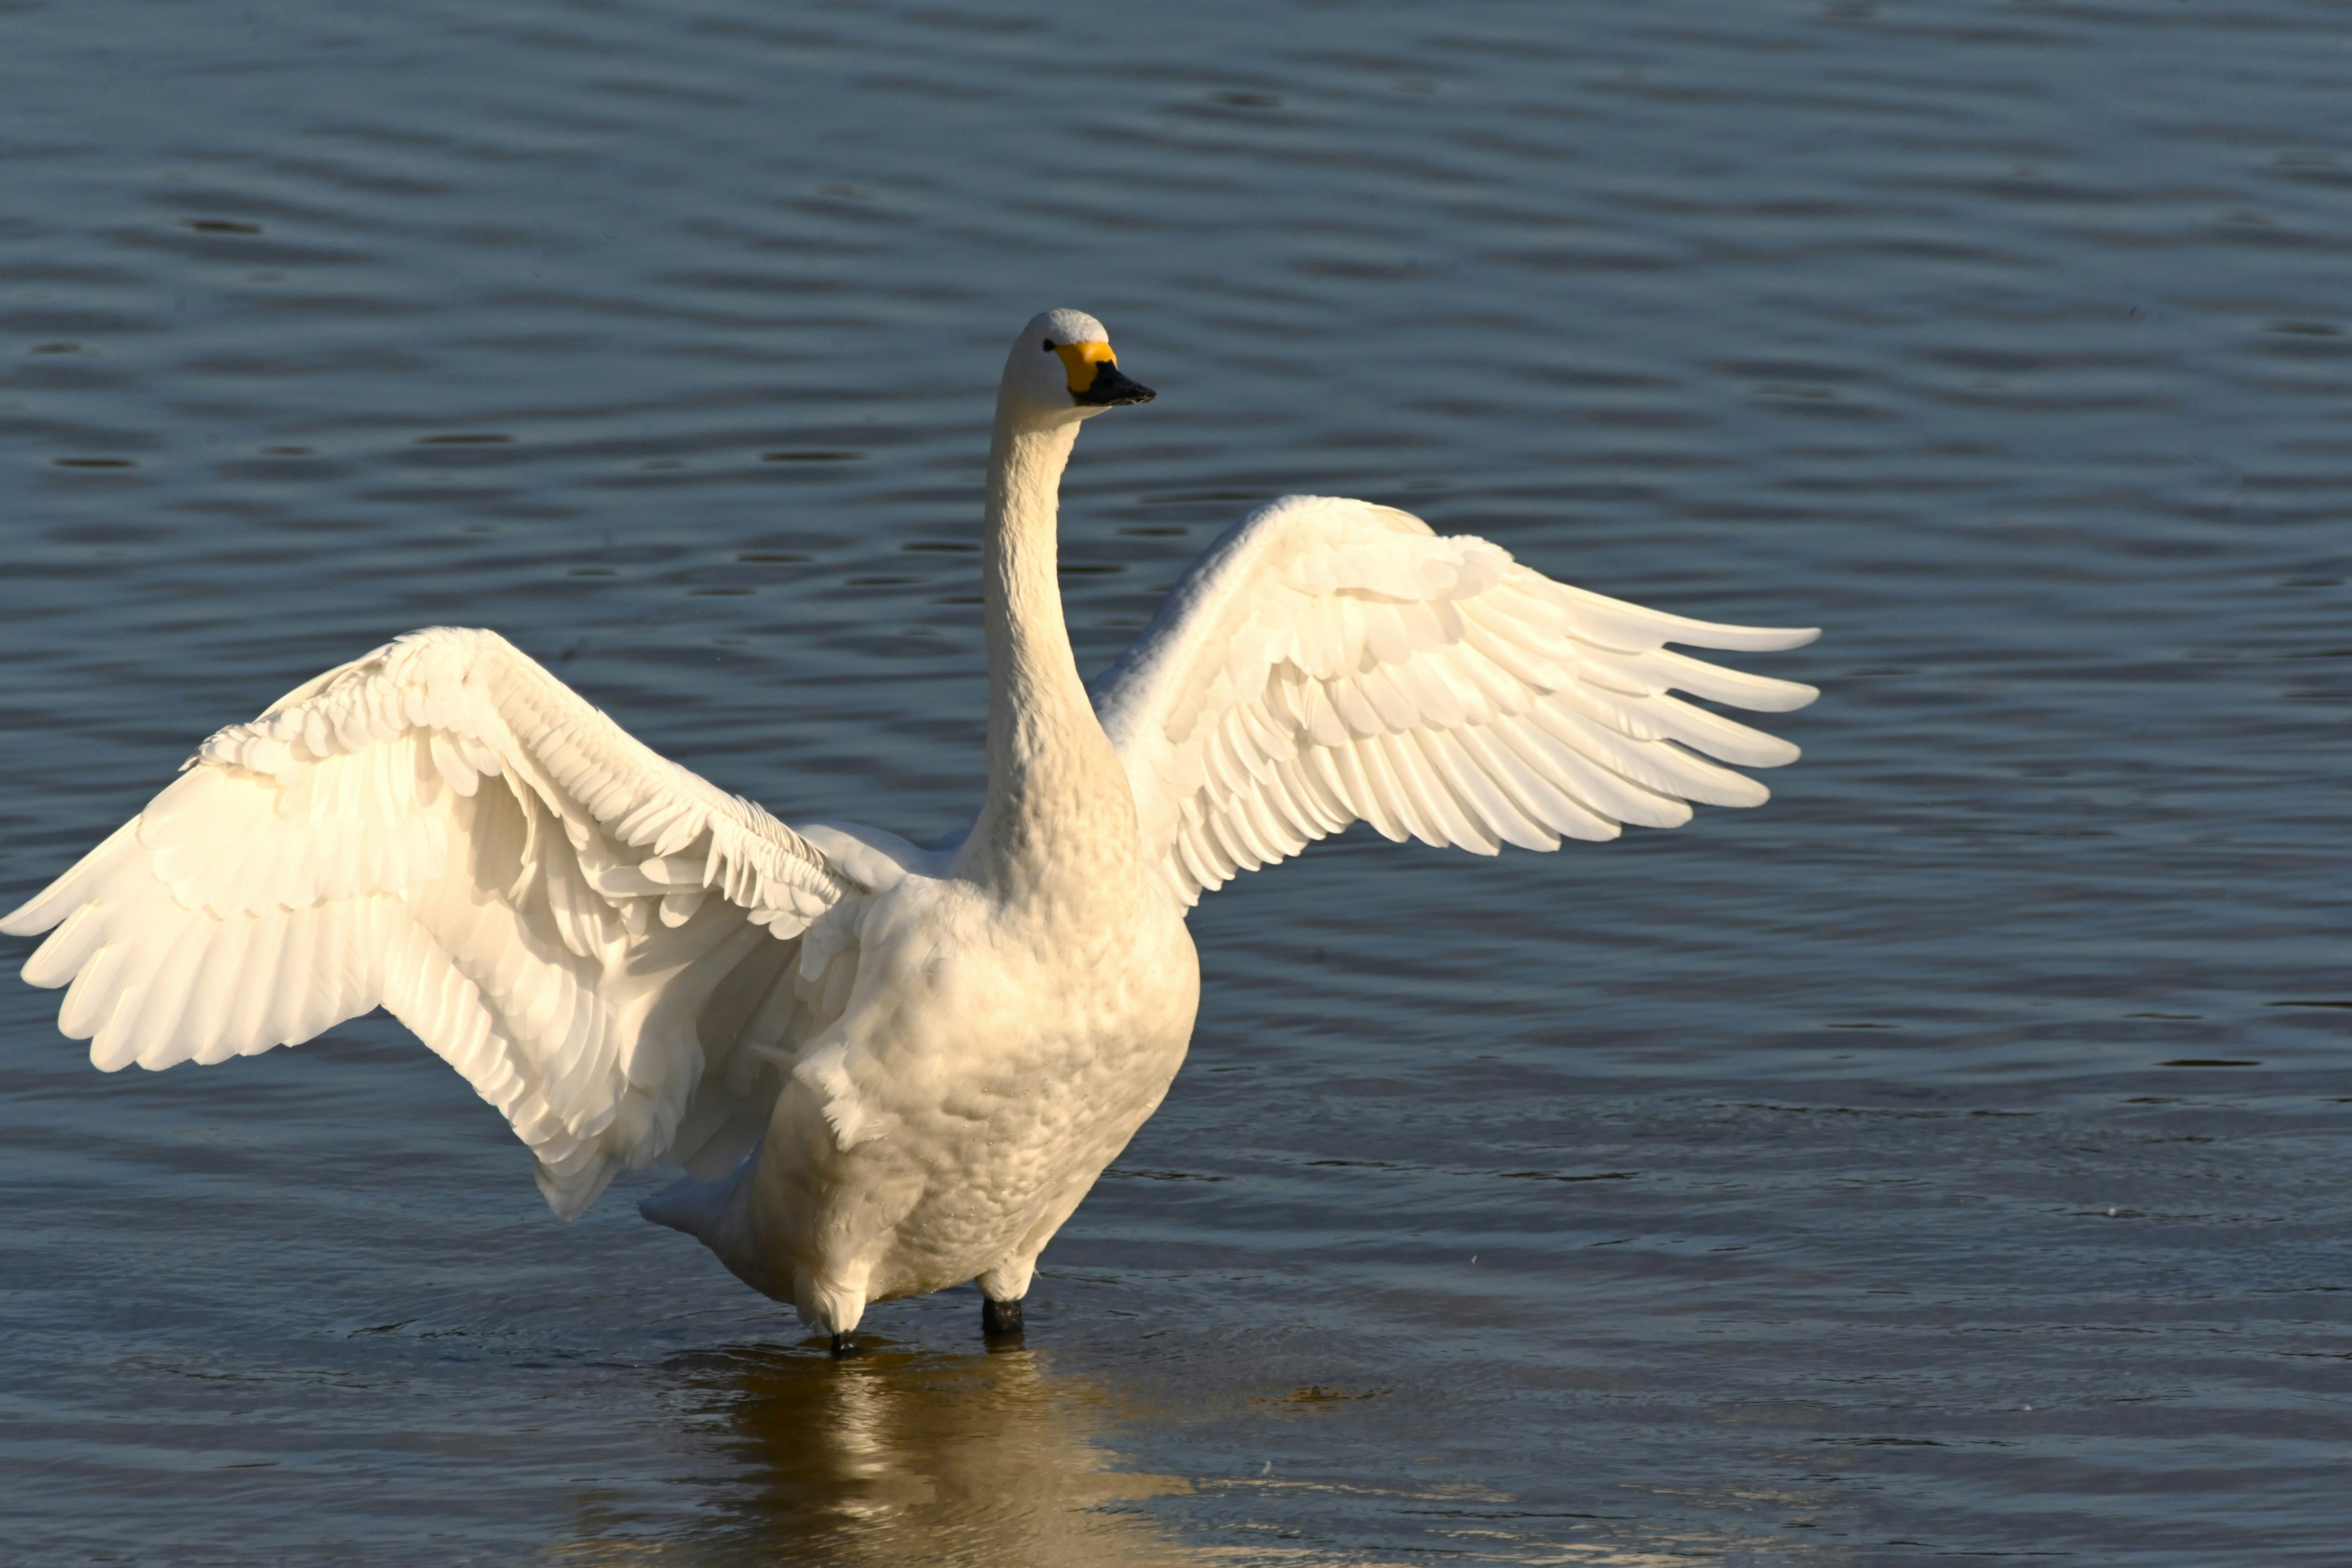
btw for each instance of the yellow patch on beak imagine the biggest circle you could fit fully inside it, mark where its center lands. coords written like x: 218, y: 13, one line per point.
x: 1081, y: 361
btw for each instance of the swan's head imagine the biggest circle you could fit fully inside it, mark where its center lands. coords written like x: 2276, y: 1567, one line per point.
x: 1062, y: 368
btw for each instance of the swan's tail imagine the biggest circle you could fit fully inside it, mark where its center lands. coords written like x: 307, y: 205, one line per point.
x: 716, y: 1214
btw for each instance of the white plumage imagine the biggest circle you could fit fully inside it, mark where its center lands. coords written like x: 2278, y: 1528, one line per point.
x: 1330, y: 661
x: 887, y: 1070
x: 446, y: 830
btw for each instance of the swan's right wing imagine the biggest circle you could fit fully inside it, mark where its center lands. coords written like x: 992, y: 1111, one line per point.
x: 606, y: 946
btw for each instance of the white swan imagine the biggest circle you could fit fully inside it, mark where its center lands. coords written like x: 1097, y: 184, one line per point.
x: 887, y: 1069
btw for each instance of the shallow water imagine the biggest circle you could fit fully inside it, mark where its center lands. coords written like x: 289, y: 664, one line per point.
x: 1946, y: 1159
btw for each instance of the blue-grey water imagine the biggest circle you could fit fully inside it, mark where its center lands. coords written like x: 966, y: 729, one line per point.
x: 1948, y: 1160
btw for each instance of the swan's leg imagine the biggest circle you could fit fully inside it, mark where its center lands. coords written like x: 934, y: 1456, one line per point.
x: 1001, y: 1289
x: 1000, y: 1319
x: 837, y: 1303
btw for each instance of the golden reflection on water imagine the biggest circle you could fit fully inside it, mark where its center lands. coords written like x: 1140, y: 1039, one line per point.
x: 900, y: 1457
x: 990, y: 1460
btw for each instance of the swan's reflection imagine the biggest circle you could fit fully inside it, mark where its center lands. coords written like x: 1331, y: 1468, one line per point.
x: 915, y: 1458
x: 897, y: 1457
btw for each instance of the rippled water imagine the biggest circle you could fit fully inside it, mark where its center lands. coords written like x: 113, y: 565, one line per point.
x: 1948, y: 1159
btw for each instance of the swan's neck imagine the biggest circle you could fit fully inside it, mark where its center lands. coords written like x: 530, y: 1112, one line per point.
x: 1058, y: 807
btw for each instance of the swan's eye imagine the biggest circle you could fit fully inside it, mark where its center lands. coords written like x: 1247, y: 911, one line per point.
x: 1051, y: 345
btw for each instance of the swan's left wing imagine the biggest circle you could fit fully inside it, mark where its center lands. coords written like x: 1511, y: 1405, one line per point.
x: 1329, y: 660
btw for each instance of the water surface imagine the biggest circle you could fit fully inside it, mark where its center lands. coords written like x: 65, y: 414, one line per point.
x: 1945, y: 1160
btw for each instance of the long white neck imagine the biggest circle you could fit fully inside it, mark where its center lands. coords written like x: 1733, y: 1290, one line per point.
x: 1058, y: 807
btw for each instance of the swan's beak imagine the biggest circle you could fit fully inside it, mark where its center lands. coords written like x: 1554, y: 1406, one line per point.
x: 1096, y: 380
x: 1111, y: 389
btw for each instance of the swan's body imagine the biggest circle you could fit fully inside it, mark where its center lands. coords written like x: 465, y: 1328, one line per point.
x: 995, y: 1053
x: 887, y: 1070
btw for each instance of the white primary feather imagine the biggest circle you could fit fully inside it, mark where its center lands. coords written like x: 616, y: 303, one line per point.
x: 1328, y: 661
x: 584, y: 930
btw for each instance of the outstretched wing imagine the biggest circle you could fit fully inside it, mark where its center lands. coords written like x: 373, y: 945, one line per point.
x: 1332, y: 660
x: 600, y: 940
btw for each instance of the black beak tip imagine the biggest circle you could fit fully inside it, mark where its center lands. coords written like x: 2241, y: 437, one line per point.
x: 1113, y: 390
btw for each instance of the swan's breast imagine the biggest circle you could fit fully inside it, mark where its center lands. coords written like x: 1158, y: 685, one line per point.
x: 986, y: 1066
x: 979, y: 1014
